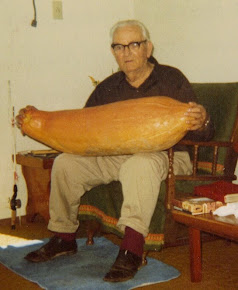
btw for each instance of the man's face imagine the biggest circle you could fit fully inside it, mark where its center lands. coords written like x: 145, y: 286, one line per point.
x: 131, y: 60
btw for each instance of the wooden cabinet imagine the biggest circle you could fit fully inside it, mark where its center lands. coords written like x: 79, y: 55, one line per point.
x: 36, y: 169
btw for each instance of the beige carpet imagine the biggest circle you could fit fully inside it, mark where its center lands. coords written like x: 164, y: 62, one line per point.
x: 220, y: 266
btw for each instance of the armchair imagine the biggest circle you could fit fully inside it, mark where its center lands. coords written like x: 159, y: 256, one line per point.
x: 214, y: 160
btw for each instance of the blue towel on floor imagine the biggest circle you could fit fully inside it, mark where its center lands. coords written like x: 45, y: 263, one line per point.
x: 84, y: 270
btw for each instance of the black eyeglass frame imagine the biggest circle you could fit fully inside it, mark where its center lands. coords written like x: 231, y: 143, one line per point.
x: 113, y: 45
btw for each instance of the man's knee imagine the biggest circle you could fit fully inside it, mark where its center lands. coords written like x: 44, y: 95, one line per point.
x: 63, y: 163
x: 147, y: 162
x: 60, y: 161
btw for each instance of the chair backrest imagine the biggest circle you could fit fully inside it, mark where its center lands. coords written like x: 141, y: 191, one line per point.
x: 221, y: 101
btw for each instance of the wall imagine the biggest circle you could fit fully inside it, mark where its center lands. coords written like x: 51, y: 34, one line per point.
x: 197, y: 36
x: 48, y: 66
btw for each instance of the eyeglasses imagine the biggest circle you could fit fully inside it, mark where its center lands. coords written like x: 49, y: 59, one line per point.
x: 132, y: 46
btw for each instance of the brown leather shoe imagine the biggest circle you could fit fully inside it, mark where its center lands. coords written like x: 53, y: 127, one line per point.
x: 124, y: 268
x: 54, y: 248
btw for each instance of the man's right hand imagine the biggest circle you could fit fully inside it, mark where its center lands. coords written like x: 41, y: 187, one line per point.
x: 22, y: 115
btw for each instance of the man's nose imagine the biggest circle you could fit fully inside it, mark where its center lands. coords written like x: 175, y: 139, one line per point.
x: 127, y: 50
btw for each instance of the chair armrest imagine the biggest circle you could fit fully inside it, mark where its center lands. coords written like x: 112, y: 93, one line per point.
x: 235, y: 147
x: 213, y: 144
x: 206, y: 143
x: 213, y: 176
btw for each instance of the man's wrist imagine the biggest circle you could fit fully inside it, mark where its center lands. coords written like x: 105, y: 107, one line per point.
x: 206, y: 123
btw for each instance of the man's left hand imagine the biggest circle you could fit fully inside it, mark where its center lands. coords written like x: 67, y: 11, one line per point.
x: 197, y: 116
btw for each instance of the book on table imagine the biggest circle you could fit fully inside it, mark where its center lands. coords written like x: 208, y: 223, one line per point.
x: 196, y: 205
x: 229, y: 198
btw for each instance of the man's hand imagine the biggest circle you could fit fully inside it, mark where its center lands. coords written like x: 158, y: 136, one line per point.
x: 197, y: 116
x: 22, y: 115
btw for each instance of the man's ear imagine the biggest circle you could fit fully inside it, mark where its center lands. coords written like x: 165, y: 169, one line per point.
x: 149, y: 48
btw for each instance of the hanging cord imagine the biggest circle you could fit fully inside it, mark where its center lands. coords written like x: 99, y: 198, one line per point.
x: 34, y: 21
x: 14, y: 202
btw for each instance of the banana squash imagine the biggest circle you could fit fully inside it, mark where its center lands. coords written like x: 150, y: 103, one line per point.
x: 126, y: 127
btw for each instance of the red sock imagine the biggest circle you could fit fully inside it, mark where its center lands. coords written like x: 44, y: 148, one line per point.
x: 133, y: 242
x: 66, y: 236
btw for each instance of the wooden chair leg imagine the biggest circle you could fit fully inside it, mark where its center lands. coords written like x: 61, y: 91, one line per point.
x: 195, y: 254
x: 93, y: 227
x: 90, y: 236
x: 144, y: 260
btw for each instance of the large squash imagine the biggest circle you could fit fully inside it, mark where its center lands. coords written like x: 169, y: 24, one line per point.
x: 126, y: 127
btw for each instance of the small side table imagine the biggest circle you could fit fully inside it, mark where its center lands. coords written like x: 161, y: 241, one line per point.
x: 226, y: 227
x: 36, y: 169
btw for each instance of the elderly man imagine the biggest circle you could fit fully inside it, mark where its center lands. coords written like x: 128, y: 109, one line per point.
x: 141, y: 174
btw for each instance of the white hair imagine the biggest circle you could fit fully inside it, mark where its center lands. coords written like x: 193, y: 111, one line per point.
x: 124, y: 23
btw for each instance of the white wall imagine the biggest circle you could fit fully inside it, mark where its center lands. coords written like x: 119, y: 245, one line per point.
x: 197, y: 36
x: 49, y: 65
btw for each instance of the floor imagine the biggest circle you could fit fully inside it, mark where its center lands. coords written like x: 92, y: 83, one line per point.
x: 220, y: 266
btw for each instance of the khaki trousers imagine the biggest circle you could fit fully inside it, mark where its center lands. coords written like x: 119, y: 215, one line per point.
x: 140, y: 175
